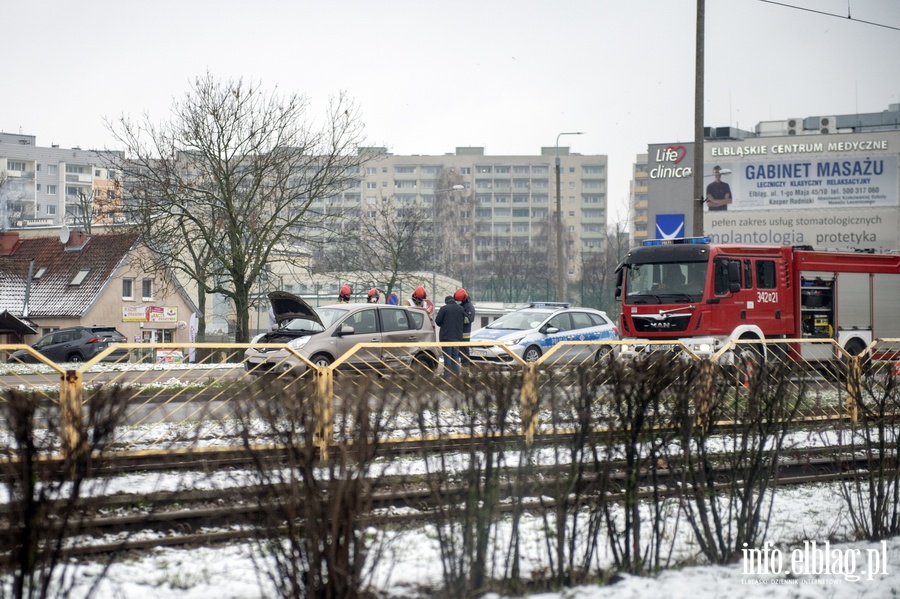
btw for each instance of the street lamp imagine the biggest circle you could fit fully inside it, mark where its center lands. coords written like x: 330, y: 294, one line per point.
x: 560, y: 273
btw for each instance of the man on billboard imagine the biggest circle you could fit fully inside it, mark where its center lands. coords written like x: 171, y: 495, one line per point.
x: 718, y: 193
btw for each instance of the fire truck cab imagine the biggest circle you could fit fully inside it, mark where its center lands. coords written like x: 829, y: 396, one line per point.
x: 706, y: 295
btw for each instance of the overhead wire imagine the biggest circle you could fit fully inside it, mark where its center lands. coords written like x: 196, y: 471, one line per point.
x: 828, y: 14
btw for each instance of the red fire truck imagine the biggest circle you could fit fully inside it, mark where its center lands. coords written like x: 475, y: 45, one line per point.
x: 705, y: 295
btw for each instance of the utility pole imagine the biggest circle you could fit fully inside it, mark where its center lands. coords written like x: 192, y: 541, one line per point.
x: 697, y: 173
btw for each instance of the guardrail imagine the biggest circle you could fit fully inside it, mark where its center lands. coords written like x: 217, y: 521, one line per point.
x: 185, y: 395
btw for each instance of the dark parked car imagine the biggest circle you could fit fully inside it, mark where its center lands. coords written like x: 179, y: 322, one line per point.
x: 75, y: 344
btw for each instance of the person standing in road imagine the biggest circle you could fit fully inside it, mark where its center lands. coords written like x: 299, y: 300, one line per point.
x: 462, y: 296
x: 450, y: 319
x: 344, y: 294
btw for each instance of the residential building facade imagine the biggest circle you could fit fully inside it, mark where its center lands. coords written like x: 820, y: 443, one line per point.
x: 495, y: 202
x: 52, y: 186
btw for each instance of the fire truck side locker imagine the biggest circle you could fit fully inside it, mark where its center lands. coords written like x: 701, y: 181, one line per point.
x: 817, y: 321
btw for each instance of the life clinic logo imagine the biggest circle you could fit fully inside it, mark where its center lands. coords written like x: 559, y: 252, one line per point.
x: 815, y: 559
x: 668, y: 160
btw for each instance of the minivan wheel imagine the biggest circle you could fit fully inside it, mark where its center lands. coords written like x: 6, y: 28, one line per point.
x: 321, y: 360
x: 76, y: 358
x: 425, y: 360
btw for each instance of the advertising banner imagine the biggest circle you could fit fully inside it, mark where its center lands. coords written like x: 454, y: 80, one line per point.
x: 806, y: 183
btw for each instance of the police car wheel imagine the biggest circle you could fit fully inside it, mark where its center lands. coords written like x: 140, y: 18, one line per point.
x: 532, y: 353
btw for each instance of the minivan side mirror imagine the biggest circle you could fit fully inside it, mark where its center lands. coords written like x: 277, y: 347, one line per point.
x: 346, y: 330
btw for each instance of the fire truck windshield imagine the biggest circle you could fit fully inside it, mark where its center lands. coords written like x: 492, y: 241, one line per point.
x: 665, y: 283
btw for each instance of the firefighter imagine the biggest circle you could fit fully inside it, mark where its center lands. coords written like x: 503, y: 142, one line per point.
x: 373, y: 296
x: 462, y: 297
x: 418, y: 298
x: 344, y: 294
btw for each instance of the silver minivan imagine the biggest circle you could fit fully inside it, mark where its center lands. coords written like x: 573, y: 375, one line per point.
x: 326, y: 333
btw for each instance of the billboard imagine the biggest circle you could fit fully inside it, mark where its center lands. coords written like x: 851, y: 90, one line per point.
x: 837, y: 192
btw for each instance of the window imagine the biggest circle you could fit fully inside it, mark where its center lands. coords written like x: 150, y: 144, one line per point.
x: 51, y: 190
x: 15, y: 166
x: 127, y: 288
x: 79, y: 278
x: 765, y: 274
x: 371, y: 185
x: 97, y: 172
x: 74, y: 169
x: 51, y: 208
x: 581, y: 320
x: 37, y: 186
x: 748, y: 275
x: 147, y: 288
x: 394, y: 319
x: 405, y: 170
x: 593, y: 170
x: 371, y: 170
x: 51, y: 169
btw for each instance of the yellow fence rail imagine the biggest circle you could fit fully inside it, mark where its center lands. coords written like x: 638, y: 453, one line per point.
x: 191, y: 394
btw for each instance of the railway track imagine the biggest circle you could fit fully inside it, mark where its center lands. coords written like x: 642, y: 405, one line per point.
x: 128, y: 522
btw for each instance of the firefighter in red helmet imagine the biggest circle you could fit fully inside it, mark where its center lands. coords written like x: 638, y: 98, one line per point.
x: 344, y: 294
x: 462, y: 297
x: 418, y: 297
x: 373, y: 296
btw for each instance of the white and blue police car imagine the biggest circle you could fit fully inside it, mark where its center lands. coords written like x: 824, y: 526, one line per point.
x: 532, y: 331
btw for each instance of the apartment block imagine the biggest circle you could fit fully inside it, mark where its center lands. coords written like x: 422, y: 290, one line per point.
x: 497, y: 202
x: 52, y: 186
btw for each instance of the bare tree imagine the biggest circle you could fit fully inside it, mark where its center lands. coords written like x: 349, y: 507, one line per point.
x: 389, y: 240
x: 235, y: 178
x: 598, y: 270
x: 453, y: 225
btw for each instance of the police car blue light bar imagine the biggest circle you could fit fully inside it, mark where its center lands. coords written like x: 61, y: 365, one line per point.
x: 678, y: 241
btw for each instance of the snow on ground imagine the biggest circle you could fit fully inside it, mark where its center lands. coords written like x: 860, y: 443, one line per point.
x: 799, y: 514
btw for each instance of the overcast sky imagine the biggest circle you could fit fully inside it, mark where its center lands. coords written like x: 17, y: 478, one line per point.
x: 430, y: 76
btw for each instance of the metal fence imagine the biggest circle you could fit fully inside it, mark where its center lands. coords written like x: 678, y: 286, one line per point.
x: 198, y: 395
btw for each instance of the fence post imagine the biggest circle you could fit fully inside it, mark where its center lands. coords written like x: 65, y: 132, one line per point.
x: 323, y: 410
x: 704, y: 402
x: 854, y: 386
x: 529, y: 402
x: 70, y: 425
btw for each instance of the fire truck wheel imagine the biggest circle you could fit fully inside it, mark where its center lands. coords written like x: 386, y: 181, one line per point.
x: 856, y: 347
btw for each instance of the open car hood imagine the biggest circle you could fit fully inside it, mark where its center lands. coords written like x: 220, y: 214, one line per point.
x: 288, y: 306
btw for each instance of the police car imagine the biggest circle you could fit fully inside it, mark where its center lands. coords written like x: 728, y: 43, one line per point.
x: 532, y: 331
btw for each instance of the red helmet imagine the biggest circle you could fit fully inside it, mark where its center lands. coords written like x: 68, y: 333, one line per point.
x: 419, y: 293
x: 373, y: 295
x: 345, y: 291
x: 372, y: 292
x: 460, y: 295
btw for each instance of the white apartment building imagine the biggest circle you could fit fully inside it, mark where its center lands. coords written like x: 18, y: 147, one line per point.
x: 41, y: 186
x: 498, y: 201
